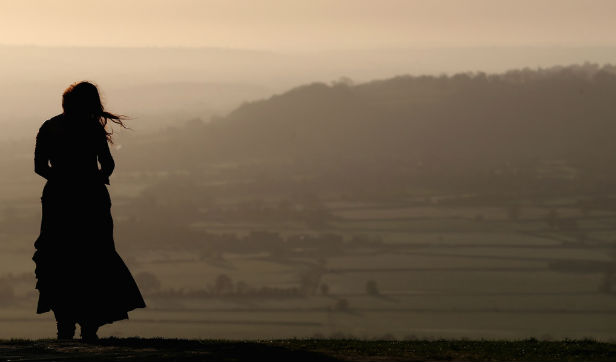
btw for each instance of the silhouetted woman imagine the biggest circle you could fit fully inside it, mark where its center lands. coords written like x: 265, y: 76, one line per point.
x: 80, y: 276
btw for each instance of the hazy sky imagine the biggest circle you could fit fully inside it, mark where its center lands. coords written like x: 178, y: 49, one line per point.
x: 307, y: 24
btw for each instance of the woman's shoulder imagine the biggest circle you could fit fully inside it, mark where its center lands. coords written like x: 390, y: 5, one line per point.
x: 52, y: 123
x: 60, y: 125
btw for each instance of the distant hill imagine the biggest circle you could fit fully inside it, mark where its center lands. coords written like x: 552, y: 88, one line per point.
x: 559, y: 113
x: 555, y: 124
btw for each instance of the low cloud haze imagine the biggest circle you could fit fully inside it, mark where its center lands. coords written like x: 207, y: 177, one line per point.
x: 160, y: 87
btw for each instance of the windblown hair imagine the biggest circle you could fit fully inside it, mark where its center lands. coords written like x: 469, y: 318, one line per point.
x: 82, y: 100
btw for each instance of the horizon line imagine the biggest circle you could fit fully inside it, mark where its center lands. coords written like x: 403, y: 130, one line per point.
x: 341, y: 49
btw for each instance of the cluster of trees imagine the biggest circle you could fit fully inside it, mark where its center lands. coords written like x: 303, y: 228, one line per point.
x: 164, y: 222
x: 225, y: 286
x: 279, y: 246
x: 310, y: 283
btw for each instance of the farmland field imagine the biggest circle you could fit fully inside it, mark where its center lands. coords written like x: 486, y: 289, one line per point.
x: 403, y: 273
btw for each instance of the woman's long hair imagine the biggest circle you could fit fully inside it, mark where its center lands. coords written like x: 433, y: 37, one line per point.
x: 82, y: 100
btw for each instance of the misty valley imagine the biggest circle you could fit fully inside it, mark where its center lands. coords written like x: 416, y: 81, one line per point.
x: 472, y: 205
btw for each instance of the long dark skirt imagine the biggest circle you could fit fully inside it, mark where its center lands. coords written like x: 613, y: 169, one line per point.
x: 79, y: 273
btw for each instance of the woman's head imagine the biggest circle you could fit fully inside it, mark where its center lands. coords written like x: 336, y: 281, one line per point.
x: 81, y: 100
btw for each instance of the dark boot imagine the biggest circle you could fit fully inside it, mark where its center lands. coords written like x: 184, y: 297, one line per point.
x: 88, y: 332
x: 66, y: 329
x: 65, y: 324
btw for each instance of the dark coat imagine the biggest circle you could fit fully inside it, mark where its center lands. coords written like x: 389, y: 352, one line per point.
x: 79, y: 273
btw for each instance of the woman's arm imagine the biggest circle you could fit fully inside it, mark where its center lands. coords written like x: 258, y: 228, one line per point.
x: 106, y: 161
x: 41, y: 154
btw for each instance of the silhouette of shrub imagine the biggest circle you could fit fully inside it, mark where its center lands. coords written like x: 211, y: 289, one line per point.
x: 7, y: 293
x: 342, y: 305
x: 324, y: 289
x: 223, y: 285
x: 372, y: 288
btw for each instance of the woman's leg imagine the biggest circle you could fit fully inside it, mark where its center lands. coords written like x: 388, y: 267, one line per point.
x: 65, y: 324
x: 88, y: 331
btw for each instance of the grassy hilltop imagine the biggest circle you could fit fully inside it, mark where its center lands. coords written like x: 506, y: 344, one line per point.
x: 137, y: 349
